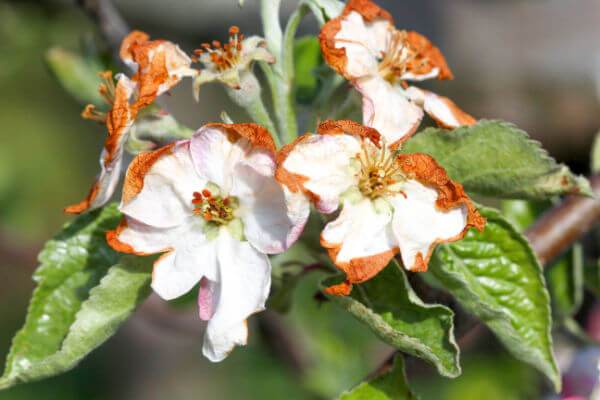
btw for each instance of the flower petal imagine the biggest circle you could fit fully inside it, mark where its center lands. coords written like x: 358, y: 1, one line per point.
x: 208, y: 295
x: 440, y: 108
x: 319, y: 165
x: 352, y: 42
x: 244, y: 280
x: 432, y: 62
x: 273, y: 219
x: 119, y: 121
x: 435, y: 210
x: 177, y: 272
x: 217, y: 148
x: 360, y: 241
x: 387, y: 108
x: 159, y: 186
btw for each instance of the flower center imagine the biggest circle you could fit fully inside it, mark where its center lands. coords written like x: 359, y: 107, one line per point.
x: 226, y: 56
x: 401, y: 57
x: 379, y: 172
x: 107, y: 91
x: 215, y: 209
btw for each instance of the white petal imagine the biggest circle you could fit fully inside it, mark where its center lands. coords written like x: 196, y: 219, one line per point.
x: 145, y: 238
x: 363, y: 42
x: 361, y: 231
x: 192, y: 258
x: 442, y: 109
x: 245, y: 280
x: 269, y: 224
x: 388, y: 109
x: 166, y: 197
x: 418, y: 223
x: 324, y: 160
x: 215, y: 156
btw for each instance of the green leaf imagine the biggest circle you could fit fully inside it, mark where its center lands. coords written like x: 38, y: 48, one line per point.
x: 391, y: 385
x: 393, y: 311
x: 324, y: 10
x: 77, y: 75
x: 522, y: 213
x: 496, y: 277
x: 495, y: 158
x: 307, y: 57
x: 71, y: 265
x: 592, y: 277
x: 565, y: 283
x: 595, y: 156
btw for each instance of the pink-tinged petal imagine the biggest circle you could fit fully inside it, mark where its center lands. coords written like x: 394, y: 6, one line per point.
x: 217, y: 148
x: 319, y: 165
x: 352, y: 42
x: 244, y: 280
x: 360, y: 241
x: 440, y: 108
x: 272, y: 219
x: 388, y: 109
x: 433, y: 209
x: 208, y: 296
x: 159, y: 186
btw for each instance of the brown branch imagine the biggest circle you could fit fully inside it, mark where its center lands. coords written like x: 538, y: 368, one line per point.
x: 564, y: 224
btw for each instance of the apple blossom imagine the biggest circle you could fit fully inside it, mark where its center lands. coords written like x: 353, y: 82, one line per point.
x: 390, y: 202
x: 225, y: 63
x: 158, y: 66
x: 363, y: 45
x: 212, y: 206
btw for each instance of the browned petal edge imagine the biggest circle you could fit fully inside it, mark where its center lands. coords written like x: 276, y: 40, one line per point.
x: 139, y: 167
x: 134, y: 39
x: 336, y: 57
x: 358, y: 269
x: 112, y: 238
x: 434, y: 56
x: 462, y: 117
x: 426, y: 170
x: 348, y: 126
x: 294, y: 182
x: 87, y: 202
x: 256, y: 134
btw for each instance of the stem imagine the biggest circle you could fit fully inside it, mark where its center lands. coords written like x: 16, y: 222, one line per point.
x: 248, y: 96
x: 281, y: 83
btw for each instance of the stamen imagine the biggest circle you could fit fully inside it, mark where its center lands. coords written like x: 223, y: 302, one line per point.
x: 90, y: 112
x: 214, y: 209
x: 378, y: 171
x: 228, y: 54
x: 402, y: 57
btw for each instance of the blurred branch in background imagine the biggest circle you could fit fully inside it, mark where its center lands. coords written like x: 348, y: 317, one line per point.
x: 111, y: 24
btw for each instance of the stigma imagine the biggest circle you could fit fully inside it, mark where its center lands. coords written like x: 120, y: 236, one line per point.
x: 214, y: 208
x: 380, y: 173
x: 224, y: 56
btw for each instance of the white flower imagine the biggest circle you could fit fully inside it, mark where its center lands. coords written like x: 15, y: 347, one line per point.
x: 225, y: 63
x: 159, y: 65
x: 389, y: 202
x: 363, y: 45
x: 212, y: 206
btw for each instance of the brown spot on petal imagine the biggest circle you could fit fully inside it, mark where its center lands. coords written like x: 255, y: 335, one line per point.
x: 256, y: 134
x: 139, y: 167
x: 336, y: 57
x: 426, y: 170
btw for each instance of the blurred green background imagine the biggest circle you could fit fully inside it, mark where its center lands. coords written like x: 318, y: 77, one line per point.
x: 530, y: 62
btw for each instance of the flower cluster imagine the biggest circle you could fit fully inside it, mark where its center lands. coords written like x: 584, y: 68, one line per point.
x: 214, y: 206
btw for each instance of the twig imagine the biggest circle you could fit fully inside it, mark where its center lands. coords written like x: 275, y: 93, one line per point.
x: 111, y: 24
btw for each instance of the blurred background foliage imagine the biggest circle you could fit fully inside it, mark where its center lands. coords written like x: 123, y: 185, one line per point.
x: 534, y: 63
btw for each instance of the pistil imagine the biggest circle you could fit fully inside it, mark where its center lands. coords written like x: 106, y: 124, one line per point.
x: 379, y: 172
